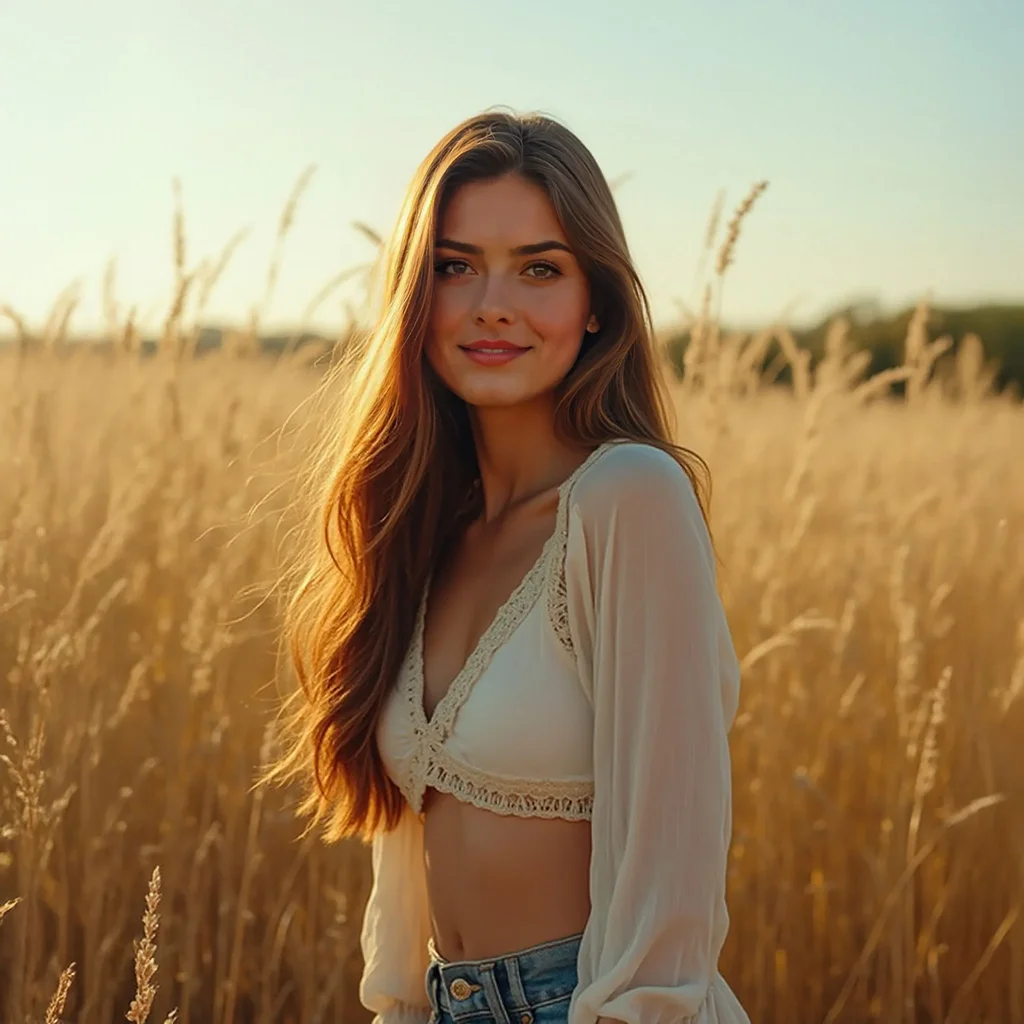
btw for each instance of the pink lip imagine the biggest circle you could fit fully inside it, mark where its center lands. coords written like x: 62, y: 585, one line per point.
x: 497, y: 343
x: 506, y: 355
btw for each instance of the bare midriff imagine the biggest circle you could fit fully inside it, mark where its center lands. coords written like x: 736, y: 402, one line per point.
x: 498, y: 884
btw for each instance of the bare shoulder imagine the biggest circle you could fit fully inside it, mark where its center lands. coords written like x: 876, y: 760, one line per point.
x: 634, y: 474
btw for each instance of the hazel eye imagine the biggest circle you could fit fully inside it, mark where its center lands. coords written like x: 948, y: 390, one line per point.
x: 553, y: 271
x: 441, y: 265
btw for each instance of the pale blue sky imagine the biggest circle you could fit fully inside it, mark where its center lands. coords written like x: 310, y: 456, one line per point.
x: 892, y: 134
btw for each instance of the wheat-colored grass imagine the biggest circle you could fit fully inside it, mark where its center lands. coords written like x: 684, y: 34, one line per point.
x: 873, y: 581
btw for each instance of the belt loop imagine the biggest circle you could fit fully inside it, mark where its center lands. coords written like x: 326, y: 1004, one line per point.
x: 430, y: 984
x: 494, y: 1001
x: 515, y: 983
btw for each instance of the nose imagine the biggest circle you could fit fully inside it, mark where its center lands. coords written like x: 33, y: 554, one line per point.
x: 494, y: 303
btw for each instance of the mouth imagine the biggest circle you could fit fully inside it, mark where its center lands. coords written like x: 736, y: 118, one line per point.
x: 495, y: 347
x: 493, y: 353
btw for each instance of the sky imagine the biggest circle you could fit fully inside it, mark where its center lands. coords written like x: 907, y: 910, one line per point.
x: 891, y: 133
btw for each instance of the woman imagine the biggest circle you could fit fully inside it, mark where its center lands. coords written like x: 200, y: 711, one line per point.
x: 517, y: 674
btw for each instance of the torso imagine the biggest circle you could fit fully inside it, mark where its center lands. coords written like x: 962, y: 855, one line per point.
x: 496, y: 883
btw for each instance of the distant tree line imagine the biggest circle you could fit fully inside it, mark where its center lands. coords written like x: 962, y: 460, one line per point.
x: 999, y: 327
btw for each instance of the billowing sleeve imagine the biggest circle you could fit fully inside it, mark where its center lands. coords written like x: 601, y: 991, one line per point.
x: 657, y: 660
x: 396, y: 927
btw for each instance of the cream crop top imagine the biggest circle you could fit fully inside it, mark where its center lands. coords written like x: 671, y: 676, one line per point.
x: 614, y: 655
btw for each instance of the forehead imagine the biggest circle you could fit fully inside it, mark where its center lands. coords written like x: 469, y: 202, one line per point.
x: 509, y: 210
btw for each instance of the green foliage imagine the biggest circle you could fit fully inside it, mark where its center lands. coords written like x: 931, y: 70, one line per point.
x: 1000, y: 328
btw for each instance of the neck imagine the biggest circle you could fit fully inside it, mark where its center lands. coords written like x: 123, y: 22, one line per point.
x: 518, y: 454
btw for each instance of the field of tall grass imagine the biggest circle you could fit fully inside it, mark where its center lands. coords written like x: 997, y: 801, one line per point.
x: 874, y: 582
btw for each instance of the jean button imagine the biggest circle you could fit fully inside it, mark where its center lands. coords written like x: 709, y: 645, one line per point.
x: 526, y: 1018
x: 460, y: 989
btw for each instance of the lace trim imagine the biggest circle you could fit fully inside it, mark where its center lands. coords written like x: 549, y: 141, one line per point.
x: 558, y: 596
x: 505, y: 622
x: 527, y: 798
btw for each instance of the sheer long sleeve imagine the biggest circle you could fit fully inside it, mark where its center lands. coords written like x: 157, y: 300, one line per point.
x: 396, y: 927
x: 657, y: 661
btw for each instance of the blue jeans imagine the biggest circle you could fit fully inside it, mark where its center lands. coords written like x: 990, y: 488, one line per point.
x: 532, y: 986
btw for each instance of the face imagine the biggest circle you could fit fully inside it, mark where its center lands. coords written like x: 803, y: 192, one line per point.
x: 487, y: 290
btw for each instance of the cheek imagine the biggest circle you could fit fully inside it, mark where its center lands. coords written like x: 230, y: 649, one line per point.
x: 444, y: 312
x: 433, y: 352
x: 560, y: 321
x: 442, y: 327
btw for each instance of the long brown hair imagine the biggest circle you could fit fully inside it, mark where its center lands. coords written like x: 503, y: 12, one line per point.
x: 397, y: 472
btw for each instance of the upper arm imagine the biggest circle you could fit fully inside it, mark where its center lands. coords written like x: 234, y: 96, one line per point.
x: 640, y: 572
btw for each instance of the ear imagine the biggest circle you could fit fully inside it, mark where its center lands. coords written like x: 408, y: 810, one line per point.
x: 592, y: 325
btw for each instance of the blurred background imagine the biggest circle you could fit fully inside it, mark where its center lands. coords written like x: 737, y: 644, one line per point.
x: 825, y: 203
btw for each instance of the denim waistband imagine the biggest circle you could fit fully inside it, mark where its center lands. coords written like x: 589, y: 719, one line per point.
x: 505, y: 988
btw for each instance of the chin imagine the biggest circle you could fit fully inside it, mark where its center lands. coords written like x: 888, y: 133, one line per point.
x: 495, y: 397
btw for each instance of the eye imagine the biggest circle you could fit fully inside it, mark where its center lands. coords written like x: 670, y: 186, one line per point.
x: 554, y: 271
x: 440, y: 266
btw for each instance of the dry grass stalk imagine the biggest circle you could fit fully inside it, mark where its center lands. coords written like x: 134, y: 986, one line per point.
x: 55, y: 331
x: 56, y: 1007
x: 209, y: 277
x: 145, y: 955
x: 283, y: 228
x: 110, y: 304
x: 725, y: 253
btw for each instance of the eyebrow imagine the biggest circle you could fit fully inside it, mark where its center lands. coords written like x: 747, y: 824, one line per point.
x: 522, y: 250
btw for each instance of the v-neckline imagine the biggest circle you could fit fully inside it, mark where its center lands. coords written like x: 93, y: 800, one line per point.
x: 509, y: 616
